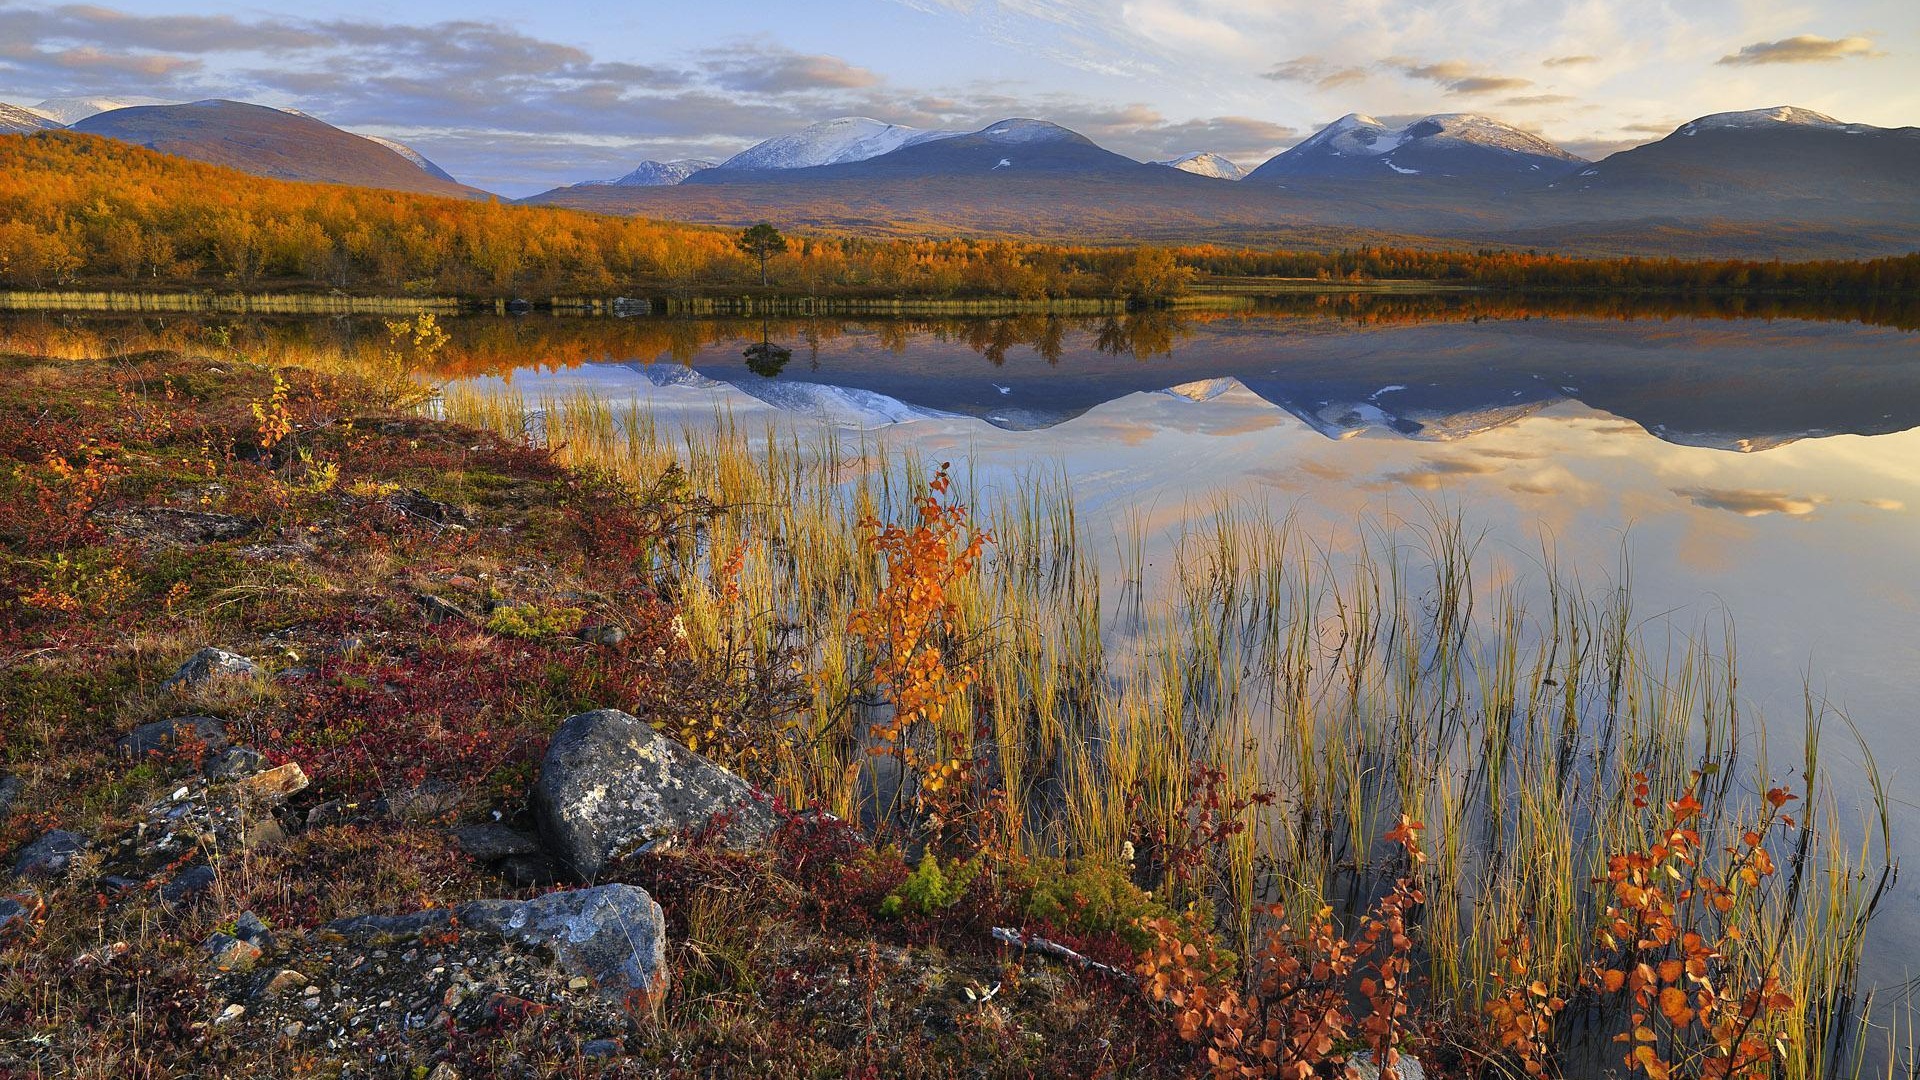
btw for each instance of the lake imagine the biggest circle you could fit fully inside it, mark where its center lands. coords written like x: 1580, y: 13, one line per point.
x: 1762, y: 466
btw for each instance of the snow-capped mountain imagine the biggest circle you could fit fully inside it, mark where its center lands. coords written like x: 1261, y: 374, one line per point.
x: 1203, y: 163
x: 657, y: 174
x: 1442, y: 145
x: 15, y: 120
x: 72, y: 110
x: 1749, y: 160
x: 831, y: 142
x: 1017, y: 147
x: 1767, y: 118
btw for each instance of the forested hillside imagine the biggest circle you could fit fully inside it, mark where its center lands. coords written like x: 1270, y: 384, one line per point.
x: 81, y: 210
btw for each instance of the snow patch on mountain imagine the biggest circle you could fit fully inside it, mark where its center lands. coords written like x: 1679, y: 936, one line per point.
x: 1021, y: 130
x: 832, y: 142
x: 1769, y: 118
x: 72, y: 110
x: 415, y: 156
x: 15, y: 120
x: 656, y: 174
x: 1204, y: 163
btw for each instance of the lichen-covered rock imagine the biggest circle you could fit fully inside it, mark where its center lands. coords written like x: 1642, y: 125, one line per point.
x: 50, y: 856
x: 165, y: 736
x: 610, y: 783
x: 613, y: 935
x: 209, y: 665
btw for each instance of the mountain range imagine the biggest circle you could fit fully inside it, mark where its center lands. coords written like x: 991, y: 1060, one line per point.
x: 1783, y: 181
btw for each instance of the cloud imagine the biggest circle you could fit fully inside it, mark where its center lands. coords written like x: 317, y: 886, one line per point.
x: 1539, y: 99
x: 1569, y: 61
x: 1805, y: 49
x: 1315, y: 71
x: 768, y: 69
x: 1457, y: 76
x: 1749, y: 503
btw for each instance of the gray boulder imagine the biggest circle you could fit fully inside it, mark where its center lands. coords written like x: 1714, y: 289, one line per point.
x: 613, y: 935
x: 164, y: 736
x: 10, y: 789
x: 611, y: 783
x: 49, y: 856
x: 209, y: 665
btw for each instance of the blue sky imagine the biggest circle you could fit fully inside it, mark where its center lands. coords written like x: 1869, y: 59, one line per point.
x: 518, y: 102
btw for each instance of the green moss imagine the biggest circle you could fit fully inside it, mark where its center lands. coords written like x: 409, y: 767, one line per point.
x: 532, y: 622
x: 1092, y: 898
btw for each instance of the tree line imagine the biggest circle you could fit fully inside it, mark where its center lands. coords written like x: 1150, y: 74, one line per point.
x: 78, y: 210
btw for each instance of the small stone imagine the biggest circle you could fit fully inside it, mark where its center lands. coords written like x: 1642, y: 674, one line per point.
x: 234, y: 763
x: 50, y: 856
x: 491, y: 841
x: 293, y: 1029
x: 229, y: 953
x: 208, y: 665
x: 230, y: 1014
x: 608, y: 635
x: 166, y: 736
x: 188, y: 884
x: 436, y: 610
x: 444, y: 1071
x: 264, y: 832
x: 286, y: 980
x: 601, y: 1049
x: 273, y: 784
x: 13, y: 915
x: 331, y: 812
x: 250, y: 928
x: 579, y: 982
x: 10, y: 789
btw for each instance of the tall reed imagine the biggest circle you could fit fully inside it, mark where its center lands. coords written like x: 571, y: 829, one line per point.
x: 1399, y: 670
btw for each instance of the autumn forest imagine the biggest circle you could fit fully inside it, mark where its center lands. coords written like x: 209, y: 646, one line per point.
x: 80, y: 210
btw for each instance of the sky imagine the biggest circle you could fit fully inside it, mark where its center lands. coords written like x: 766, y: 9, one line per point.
x: 518, y: 98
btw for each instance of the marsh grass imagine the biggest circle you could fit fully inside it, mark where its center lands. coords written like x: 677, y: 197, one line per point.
x: 1396, y: 671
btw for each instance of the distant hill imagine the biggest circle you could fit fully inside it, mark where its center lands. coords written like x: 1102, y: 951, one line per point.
x: 15, y: 120
x: 1764, y: 161
x: 270, y: 142
x: 72, y: 110
x: 1011, y: 148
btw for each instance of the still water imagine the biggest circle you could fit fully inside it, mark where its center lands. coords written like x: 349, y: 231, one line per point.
x: 1759, y: 467
x: 1763, y: 470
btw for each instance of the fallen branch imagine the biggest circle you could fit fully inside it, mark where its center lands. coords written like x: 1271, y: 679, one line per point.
x: 1034, y: 943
